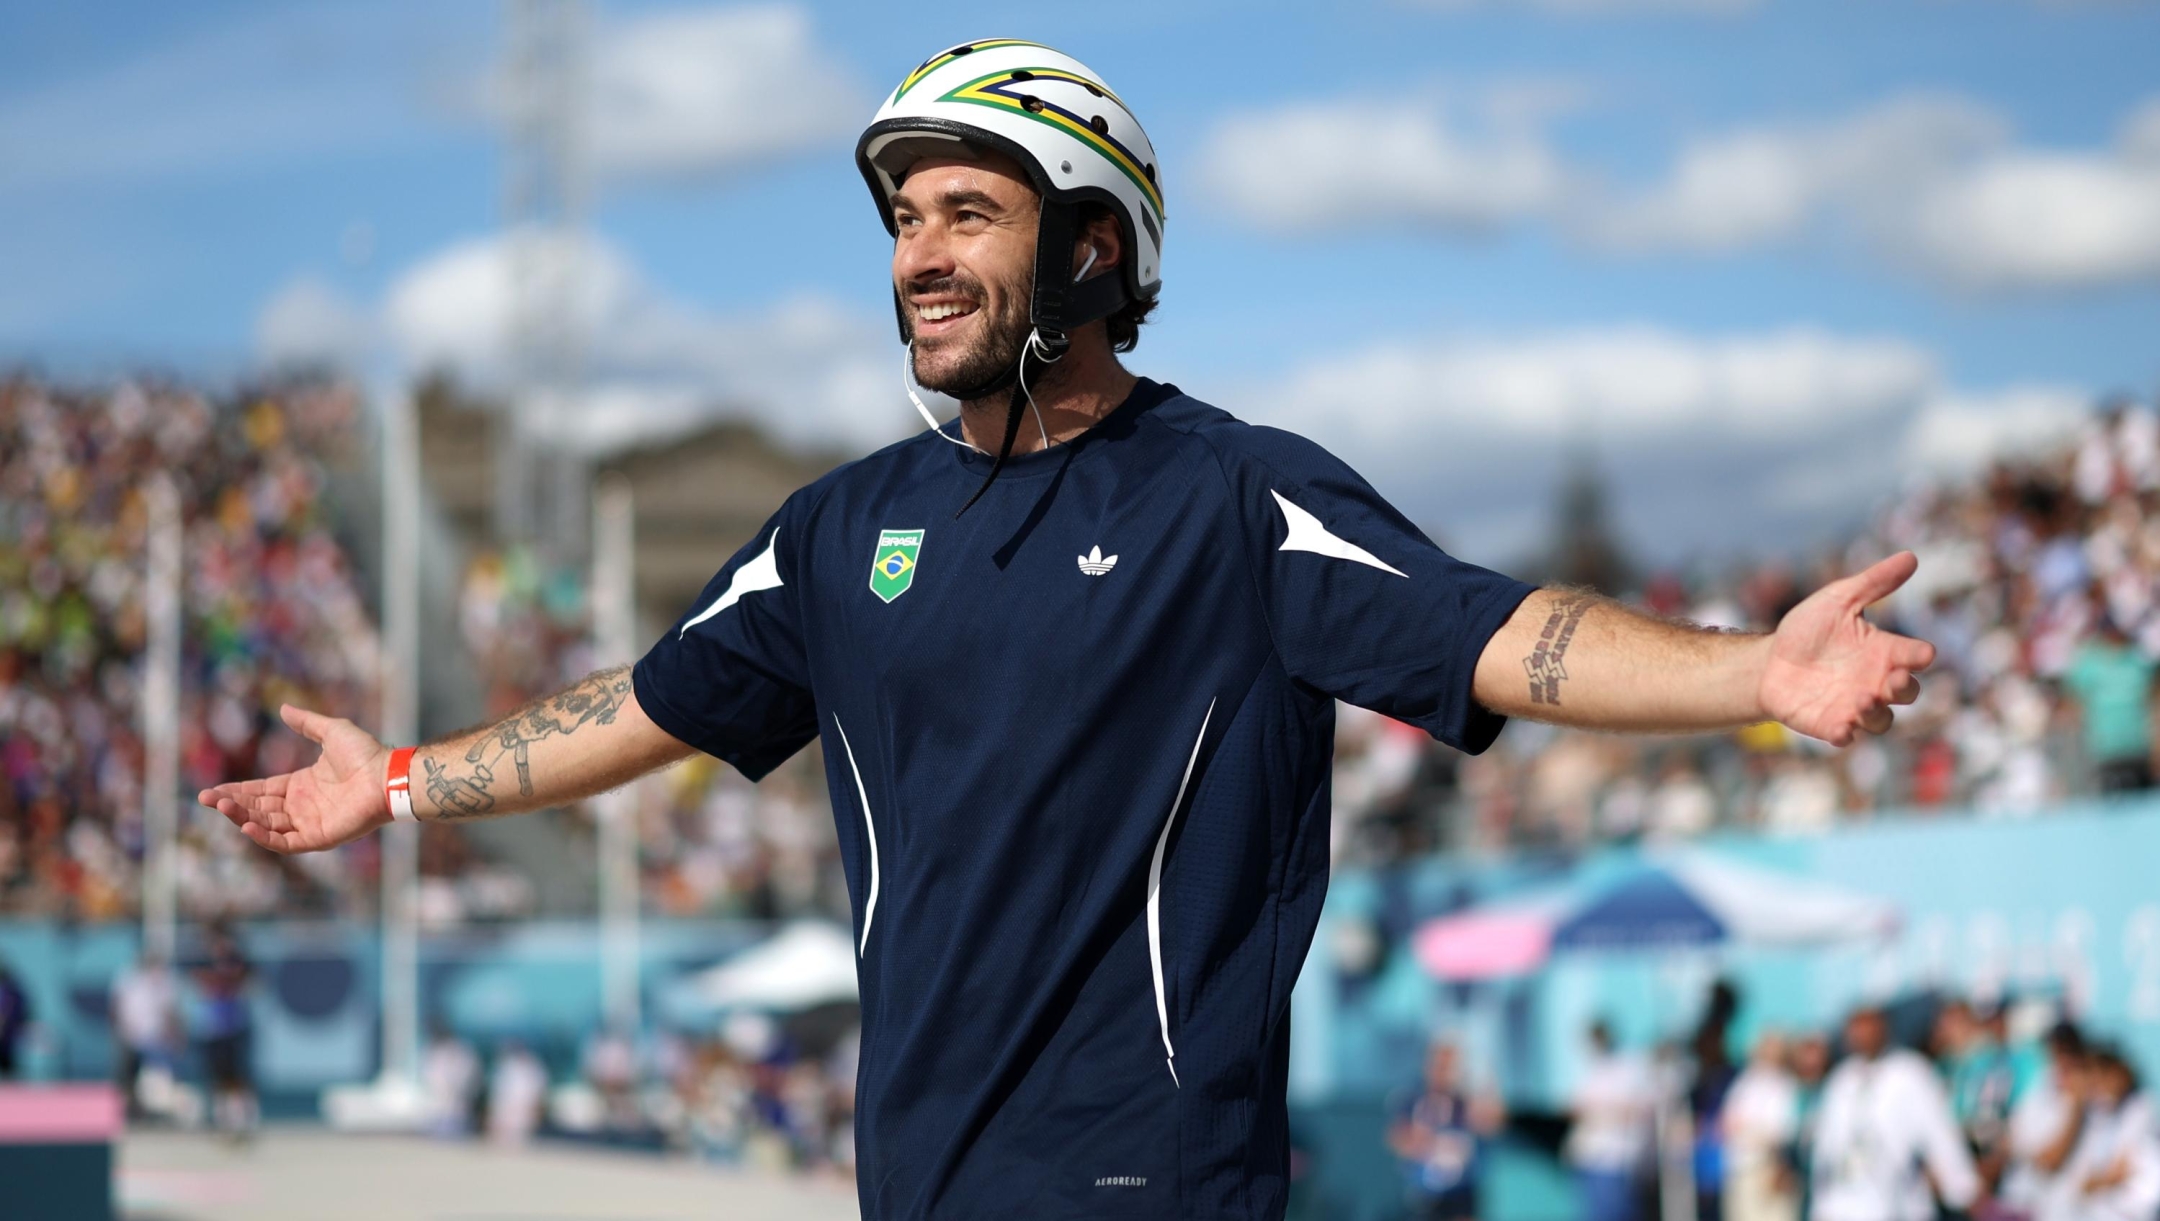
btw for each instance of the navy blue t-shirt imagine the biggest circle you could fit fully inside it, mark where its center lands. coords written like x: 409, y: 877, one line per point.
x: 1078, y: 745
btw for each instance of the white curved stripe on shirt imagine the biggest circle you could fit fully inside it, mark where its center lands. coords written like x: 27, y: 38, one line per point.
x: 760, y: 573
x: 1307, y: 534
x: 869, y: 904
x: 1154, y: 900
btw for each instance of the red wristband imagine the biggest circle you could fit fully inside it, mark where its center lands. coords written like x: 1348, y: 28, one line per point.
x: 397, y: 787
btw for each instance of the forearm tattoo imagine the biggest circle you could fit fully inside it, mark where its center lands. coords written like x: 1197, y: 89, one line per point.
x: 1544, y: 661
x: 468, y: 791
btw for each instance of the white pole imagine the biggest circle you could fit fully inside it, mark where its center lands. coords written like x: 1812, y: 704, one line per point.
x: 401, y: 727
x: 614, y: 537
x: 161, y: 718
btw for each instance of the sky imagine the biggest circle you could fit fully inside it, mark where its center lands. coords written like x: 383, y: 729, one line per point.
x: 1763, y: 261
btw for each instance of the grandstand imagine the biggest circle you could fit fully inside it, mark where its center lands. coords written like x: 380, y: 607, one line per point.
x: 2039, y: 586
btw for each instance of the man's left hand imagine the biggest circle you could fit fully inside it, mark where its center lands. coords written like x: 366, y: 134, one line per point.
x: 1831, y: 673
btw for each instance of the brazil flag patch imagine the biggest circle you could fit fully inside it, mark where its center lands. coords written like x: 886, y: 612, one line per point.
x: 892, y: 570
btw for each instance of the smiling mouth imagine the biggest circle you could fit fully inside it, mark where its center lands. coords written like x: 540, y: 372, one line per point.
x: 940, y: 313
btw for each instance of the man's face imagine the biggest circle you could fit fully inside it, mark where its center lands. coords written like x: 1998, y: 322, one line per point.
x: 1866, y: 1033
x: 964, y: 266
x: 1440, y: 1066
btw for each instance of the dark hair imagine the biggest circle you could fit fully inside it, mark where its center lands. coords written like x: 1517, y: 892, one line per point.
x: 2111, y: 1057
x: 1123, y: 324
x: 2065, y: 1039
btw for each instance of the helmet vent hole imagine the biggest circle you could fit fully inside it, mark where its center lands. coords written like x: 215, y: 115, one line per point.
x: 1031, y: 104
x: 1091, y: 89
x: 1023, y: 75
x: 1065, y: 167
x: 963, y: 49
x: 1149, y: 170
x: 1100, y: 124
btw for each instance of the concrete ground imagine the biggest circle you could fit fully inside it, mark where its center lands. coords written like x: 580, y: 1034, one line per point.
x: 309, y: 1174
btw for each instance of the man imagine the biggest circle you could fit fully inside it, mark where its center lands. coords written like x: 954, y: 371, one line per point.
x: 227, y: 1035
x: 1438, y: 1133
x: 2112, y: 1169
x: 15, y: 1015
x: 450, y: 1082
x: 2113, y: 683
x: 1075, y: 683
x: 2044, y: 1124
x: 1885, y: 1136
x: 1759, y: 1123
x: 146, y: 1025
x: 1612, y: 1115
x: 1982, y: 1078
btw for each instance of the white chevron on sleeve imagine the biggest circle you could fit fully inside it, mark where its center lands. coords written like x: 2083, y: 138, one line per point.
x: 1307, y: 534
x: 760, y: 573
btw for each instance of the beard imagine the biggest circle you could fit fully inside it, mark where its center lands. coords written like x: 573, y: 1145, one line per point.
x: 983, y: 362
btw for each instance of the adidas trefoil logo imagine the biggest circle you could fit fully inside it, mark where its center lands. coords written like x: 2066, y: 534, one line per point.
x: 1095, y: 563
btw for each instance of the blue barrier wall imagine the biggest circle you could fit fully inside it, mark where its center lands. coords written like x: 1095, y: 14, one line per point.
x: 315, y: 999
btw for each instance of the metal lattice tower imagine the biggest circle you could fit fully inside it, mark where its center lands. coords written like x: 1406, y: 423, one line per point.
x: 540, y: 493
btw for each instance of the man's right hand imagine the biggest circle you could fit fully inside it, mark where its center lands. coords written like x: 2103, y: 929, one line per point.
x: 335, y: 801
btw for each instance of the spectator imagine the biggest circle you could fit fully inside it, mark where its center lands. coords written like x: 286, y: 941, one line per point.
x: 1682, y: 806
x: 2043, y: 1123
x: 14, y: 1022
x: 1810, y: 1069
x: 2113, y: 1170
x: 449, y: 1082
x: 1609, y: 1138
x: 1885, y: 1136
x: 1439, y: 1135
x: 146, y: 1026
x: 1760, y: 1121
x: 2113, y: 684
x: 1713, y: 1080
x: 517, y: 1093
x: 226, y: 1036
x: 1982, y: 1077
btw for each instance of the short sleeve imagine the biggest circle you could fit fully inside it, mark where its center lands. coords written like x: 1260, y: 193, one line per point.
x: 732, y: 677
x: 1362, y: 605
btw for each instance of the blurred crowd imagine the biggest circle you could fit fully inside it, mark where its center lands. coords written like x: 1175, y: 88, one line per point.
x: 1933, y: 1107
x: 749, y: 1094
x: 2037, y: 583
x: 710, y: 842
x: 270, y: 613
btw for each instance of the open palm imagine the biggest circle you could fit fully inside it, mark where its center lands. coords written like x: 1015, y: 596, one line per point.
x: 336, y: 800
x: 1831, y: 672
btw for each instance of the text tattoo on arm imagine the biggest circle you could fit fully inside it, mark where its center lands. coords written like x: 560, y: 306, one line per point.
x: 1544, y: 661
x: 468, y: 792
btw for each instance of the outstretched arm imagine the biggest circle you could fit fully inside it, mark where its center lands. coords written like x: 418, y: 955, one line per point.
x: 585, y: 739
x: 1578, y: 659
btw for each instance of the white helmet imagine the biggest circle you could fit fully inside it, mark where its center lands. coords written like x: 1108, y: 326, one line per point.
x: 1066, y: 129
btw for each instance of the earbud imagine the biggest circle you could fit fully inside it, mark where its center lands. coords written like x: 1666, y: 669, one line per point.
x: 1082, y: 273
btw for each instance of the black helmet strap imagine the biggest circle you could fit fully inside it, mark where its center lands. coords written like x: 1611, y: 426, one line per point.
x: 1059, y: 306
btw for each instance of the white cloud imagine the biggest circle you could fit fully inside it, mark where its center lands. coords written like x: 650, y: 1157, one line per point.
x: 1757, y: 185
x: 1958, y: 433
x: 708, y: 89
x: 1735, y: 442
x: 1934, y: 184
x: 1622, y: 385
x: 1351, y: 164
x: 810, y: 370
x: 309, y: 322
x: 2041, y: 221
